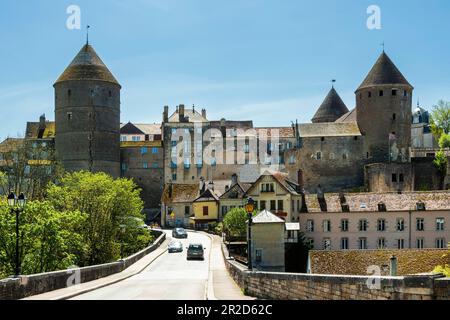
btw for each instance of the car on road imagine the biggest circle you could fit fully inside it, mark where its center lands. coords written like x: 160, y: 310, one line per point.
x: 195, y: 251
x: 175, y: 246
x: 179, y: 233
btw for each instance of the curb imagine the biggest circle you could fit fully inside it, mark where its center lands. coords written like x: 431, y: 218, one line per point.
x: 74, y: 294
x: 209, y: 287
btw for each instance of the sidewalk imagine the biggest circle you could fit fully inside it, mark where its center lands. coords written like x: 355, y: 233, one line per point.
x: 70, y: 292
x: 221, y: 286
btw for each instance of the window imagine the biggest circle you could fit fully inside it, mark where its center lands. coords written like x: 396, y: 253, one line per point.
x: 267, y: 187
x: 263, y: 205
x: 369, y: 94
x: 420, y: 224
x: 381, y: 243
x: 144, y: 150
x: 401, y: 177
x: 69, y: 92
x: 69, y: 116
x: 322, y: 139
x: 344, y: 244
x: 381, y: 93
x: 310, y: 225
x: 205, y: 210
x: 174, y: 177
x: 394, y: 177
x: 224, y: 210
x: 327, y: 244
x: 394, y: 116
x: 440, y: 243
x: 326, y: 226
x: 381, y: 225
x: 344, y: 156
x: 155, y: 150
x: 394, y: 93
x: 362, y: 225
x: 135, y: 138
x: 344, y: 225
x: 280, y: 205
x: 258, y: 257
x: 405, y: 93
x: 110, y: 93
x: 420, y: 243
x: 362, y: 243
x: 319, y: 155
x: 187, y: 210
x: 123, y: 138
x: 311, y: 243
x: 400, y: 224
x: 440, y: 224
x: 124, y: 166
x: 273, y: 205
x: 401, y: 243
x: 145, y: 165
x: 332, y: 156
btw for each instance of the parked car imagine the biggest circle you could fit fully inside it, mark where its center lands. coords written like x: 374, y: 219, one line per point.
x: 175, y: 246
x: 195, y: 251
x: 179, y: 233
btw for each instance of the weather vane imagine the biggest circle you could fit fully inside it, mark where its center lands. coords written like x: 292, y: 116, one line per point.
x: 87, y: 34
x: 333, y: 81
x: 383, y: 45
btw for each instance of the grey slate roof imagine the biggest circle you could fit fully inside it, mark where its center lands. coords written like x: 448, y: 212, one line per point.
x: 333, y: 129
x: 87, y: 65
x: 331, y: 109
x: 384, y: 72
x: 348, y: 117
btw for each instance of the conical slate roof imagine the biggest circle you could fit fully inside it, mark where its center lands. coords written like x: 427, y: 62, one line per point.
x: 87, y: 65
x: 384, y: 72
x: 331, y: 109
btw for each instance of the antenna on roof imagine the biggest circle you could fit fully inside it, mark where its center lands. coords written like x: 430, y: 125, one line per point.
x: 333, y: 81
x: 87, y: 34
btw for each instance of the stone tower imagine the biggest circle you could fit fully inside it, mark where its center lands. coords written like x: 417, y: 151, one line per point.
x: 331, y: 109
x: 383, y: 112
x: 87, y: 115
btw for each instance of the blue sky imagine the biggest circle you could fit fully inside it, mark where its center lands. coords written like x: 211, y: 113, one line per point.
x: 266, y: 60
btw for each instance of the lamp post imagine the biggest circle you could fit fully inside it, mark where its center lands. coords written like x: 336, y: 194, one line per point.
x: 17, y: 205
x: 249, y: 207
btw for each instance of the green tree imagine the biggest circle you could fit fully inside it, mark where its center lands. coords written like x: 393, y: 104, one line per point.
x: 113, y: 209
x: 235, y: 222
x: 440, y: 162
x: 444, y: 141
x: 440, y: 118
x: 445, y: 269
x: 49, y: 240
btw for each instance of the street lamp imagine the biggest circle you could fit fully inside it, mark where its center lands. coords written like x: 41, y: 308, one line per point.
x: 249, y: 207
x: 17, y: 205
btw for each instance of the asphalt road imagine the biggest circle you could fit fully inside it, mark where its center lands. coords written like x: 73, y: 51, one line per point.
x: 170, y: 277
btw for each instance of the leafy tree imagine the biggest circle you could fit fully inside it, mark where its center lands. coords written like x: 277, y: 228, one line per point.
x: 445, y: 269
x: 49, y: 240
x: 440, y: 162
x: 235, y: 222
x: 440, y: 118
x: 444, y: 141
x: 113, y: 209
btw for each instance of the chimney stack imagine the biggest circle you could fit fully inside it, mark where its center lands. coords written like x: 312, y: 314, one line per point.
x: 166, y: 114
x: 42, y: 121
x: 204, y: 113
x: 301, y: 183
x: 181, y: 112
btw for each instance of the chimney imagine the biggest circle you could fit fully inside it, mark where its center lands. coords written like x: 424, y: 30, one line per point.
x: 211, y: 185
x: 202, y: 185
x: 181, y: 112
x: 166, y: 114
x: 321, y: 199
x: 301, y: 183
x: 234, y: 179
x: 204, y: 113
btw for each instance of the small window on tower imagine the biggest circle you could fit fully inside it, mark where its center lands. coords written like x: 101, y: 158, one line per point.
x: 69, y: 93
x: 381, y: 93
x: 110, y: 93
x: 394, y: 116
x: 394, y: 92
x: 394, y: 177
x: 370, y: 94
x: 69, y: 116
x: 405, y: 93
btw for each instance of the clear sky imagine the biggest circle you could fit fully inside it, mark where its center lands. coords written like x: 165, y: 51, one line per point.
x: 266, y: 60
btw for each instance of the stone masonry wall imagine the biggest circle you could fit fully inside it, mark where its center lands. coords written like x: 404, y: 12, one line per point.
x: 27, y: 286
x: 292, y: 286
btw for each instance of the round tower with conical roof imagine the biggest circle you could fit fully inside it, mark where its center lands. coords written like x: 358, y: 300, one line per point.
x: 87, y: 115
x: 383, y: 112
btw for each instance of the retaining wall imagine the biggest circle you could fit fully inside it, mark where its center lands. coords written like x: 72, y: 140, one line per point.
x: 30, y: 285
